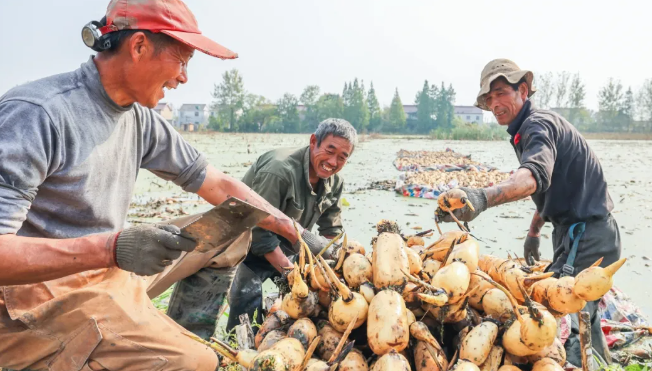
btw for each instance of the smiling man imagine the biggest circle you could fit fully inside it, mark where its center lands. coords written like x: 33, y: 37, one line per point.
x: 75, y: 280
x: 563, y: 176
x: 304, y: 184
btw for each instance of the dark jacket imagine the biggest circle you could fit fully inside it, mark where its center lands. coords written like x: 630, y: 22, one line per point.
x: 571, y: 186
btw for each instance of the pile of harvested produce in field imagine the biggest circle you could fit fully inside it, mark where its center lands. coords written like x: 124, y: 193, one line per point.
x: 435, y: 178
x: 401, y: 305
x: 429, y: 173
x: 410, y: 159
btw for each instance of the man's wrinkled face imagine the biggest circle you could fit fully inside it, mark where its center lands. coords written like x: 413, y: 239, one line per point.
x: 505, y: 102
x: 156, y: 72
x: 330, y: 156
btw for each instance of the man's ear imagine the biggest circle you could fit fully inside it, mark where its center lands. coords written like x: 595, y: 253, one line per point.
x: 138, y: 46
x: 523, y: 91
x: 313, y: 141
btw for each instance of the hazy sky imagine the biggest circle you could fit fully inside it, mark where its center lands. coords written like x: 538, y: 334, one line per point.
x: 286, y: 45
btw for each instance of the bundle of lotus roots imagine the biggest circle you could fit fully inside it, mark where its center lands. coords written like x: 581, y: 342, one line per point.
x: 408, y: 306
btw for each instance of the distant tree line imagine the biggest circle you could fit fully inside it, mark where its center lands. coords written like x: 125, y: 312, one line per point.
x: 237, y: 110
x: 619, y: 110
x: 240, y: 111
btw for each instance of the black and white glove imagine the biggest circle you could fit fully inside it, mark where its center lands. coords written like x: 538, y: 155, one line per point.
x: 315, y: 243
x: 147, y: 250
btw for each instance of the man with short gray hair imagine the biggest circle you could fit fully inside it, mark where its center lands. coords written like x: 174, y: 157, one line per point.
x: 303, y: 183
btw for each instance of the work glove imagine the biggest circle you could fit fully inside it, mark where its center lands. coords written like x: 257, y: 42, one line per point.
x: 477, y: 197
x: 315, y: 244
x: 147, y: 250
x: 531, y: 249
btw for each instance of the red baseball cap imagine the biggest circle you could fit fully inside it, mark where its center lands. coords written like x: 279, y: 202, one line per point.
x: 171, y: 17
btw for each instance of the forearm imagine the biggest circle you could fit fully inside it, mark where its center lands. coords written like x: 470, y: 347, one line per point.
x: 218, y: 187
x: 517, y: 187
x: 536, y: 225
x: 278, y: 260
x: 29, y: 260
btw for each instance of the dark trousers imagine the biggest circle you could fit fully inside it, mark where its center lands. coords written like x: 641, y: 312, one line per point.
x: 198, y: 299
x: 601, y: 239
x: 246, y: 294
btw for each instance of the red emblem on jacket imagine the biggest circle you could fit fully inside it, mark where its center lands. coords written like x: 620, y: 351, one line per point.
x: 517, y: 138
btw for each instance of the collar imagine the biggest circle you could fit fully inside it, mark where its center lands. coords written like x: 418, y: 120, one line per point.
x: 515, y: 126
x: 94, y: 84
x: 326, y: 183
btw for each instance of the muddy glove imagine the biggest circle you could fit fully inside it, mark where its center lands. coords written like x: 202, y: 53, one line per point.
x: 477, y: 197
x: 531, y: 249
x: 147, y: 250
x: 315, y: 243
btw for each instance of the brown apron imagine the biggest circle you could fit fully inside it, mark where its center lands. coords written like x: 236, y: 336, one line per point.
x: 104, y: 319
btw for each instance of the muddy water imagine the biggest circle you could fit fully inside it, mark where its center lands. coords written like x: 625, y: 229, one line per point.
x: 503, y: 229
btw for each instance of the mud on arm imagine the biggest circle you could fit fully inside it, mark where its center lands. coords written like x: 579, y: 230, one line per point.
x: 517, y: 187
x: 536, y: 225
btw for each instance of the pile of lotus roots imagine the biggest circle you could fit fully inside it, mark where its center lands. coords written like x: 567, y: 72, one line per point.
x: 402, y: 305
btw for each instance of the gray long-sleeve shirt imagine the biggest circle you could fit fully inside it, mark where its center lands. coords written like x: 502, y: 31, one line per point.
x: 69, y: 156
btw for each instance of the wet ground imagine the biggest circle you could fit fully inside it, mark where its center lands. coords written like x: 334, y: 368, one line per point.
x: 502, y: 229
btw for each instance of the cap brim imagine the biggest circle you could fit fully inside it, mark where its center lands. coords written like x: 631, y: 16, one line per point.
x: 202, y: 43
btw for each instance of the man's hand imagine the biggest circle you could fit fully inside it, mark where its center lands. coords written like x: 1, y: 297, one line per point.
x: 531, y: 249
x: 147, y: 250
x: 533, y: 239
x: 278, y: 260
x: 477, y: 197
x: 315, y: 244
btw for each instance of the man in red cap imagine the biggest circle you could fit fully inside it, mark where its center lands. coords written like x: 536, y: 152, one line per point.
x: 75, y: 282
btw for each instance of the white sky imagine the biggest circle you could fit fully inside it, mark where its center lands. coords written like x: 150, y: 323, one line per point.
x: 285, y: 45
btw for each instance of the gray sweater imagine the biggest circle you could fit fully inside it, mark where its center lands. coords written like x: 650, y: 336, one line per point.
x: 69, y: 156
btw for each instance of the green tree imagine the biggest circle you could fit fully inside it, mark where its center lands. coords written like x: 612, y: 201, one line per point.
x: 644, y: 103
x: 346, y: 96
x: 610, y: 96
x: 258, y: 111
x: 443, y: 99
x: 330, y: 106
x: 309, y: 99
x: 396, y: 119
x: 610, y: 102
x: 627, y: 110
x: 425, y: 109
x: 287, y: 111
x: 270, y: 122
x: 545, y: 90
x: 375, y: 114
x: 228, y: 101
x: 364, y: 107
x: 355, y: 107
x: 347, y: 101
x: 576, y: 95
x: 561, y: 88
